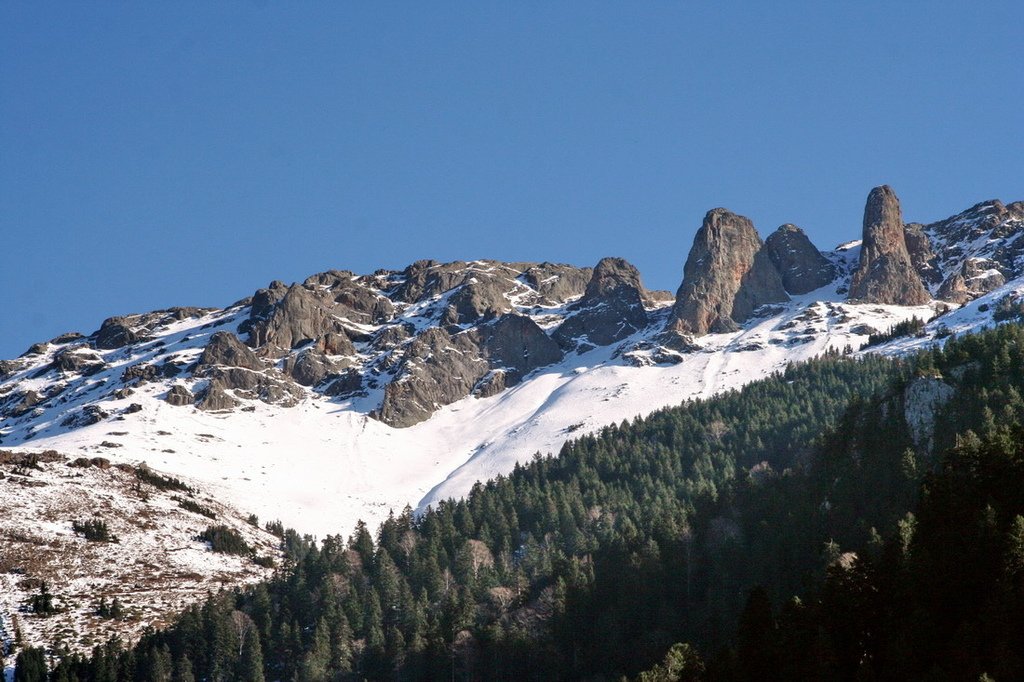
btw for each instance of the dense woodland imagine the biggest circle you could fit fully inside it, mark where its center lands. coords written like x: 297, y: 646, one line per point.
x: 789, y: 530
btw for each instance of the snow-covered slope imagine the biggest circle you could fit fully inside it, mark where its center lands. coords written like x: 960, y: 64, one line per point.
x: 152, y: 563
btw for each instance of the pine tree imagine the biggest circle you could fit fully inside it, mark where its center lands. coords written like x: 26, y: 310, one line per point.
x: 30, y: 665
x: 250, y: 666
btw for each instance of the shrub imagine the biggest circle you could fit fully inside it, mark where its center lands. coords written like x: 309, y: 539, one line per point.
x: 94, y: 530
x: 195, y: 507
x: 225, y: 540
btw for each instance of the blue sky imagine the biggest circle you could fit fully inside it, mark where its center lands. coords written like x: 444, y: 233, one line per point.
x: 188, y: 153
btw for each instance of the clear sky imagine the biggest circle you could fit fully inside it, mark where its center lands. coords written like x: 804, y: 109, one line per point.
x: 188, y: 153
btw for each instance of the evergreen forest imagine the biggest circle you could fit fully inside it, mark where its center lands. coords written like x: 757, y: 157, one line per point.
x: 846, y: 519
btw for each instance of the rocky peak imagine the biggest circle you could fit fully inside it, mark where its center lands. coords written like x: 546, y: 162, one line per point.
x: 610, y: 276
x: 886, y: 273
x: 611, y: 308
x: 301, y: 315
x: 726, y: 277
x: 801, y: 266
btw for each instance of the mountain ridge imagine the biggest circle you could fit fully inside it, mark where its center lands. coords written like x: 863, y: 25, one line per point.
x: 527, y: 352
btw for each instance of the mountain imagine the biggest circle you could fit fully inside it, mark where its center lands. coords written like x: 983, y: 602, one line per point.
x: 349, y: 396
x: 346, y: 395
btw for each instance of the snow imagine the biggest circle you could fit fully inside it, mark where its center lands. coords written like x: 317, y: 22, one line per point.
x: 322, y: 464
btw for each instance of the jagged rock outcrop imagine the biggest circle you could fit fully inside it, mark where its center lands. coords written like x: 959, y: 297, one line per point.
x: 886, y: 273
x: 312, y: 366
x: 611, y: 308
x: 477, y: 300
x: 215, y: 398
x: 79, y: 361
x: 973, y: 272
x: 976, y: 277
x: 298, y: 317
x: 922, y: 256
x: 557, y: 283
x: 726, y: 277
x: 439, y: 368
x: 801, y: 266
x: 516, y: 345
x: 179, y: 396
x: 226, y: 349
x: 922, y: 400
x: 114, y: 333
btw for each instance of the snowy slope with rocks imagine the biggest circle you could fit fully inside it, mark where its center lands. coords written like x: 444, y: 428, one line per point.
x: 349, y: 396
x: 149, y: 559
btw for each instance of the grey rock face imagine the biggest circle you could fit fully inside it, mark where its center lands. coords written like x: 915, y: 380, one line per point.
x: 726, y: 277
x: 922, y: 399
x: 557, y: 283
x: 300, y: 316
x: 214, y: 398
x: 179, y: 396
x: 426, y: 278
x: 975, y: 278
x: 226, y: 349
x: 922, y: 256
x: 611, y: 308
x: 347, y: 383
x: 8, y: 367
x: 312, y: 366
x: 440, y: 368
x: 437, y: 370
x: 476, y: 301
x: 801, y: 266
x: 969, y: 275
x: 516, y: 345
x: 114, y: 333
x: 885, y: 273
x: 78, y: 361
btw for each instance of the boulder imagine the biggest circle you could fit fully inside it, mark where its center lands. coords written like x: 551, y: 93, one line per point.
x: 179, y: 396
x: 726, y: 277
x: 214, y: 398
x: 885, y: 273
x: 801, y: 266
x: 227, y: 350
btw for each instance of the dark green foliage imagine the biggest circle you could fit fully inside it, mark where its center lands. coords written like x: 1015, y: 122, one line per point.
x: 159, y: 481
x: 94, y: 530
x: 909, y: 327
x: 42, y: 602
x: 30, y: 665
x: 590, y: 563
x: 114, y: 610
x: 195, y: 507
x: 1009, y: 307
x: 225, y: 539
x: 698, y: 524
